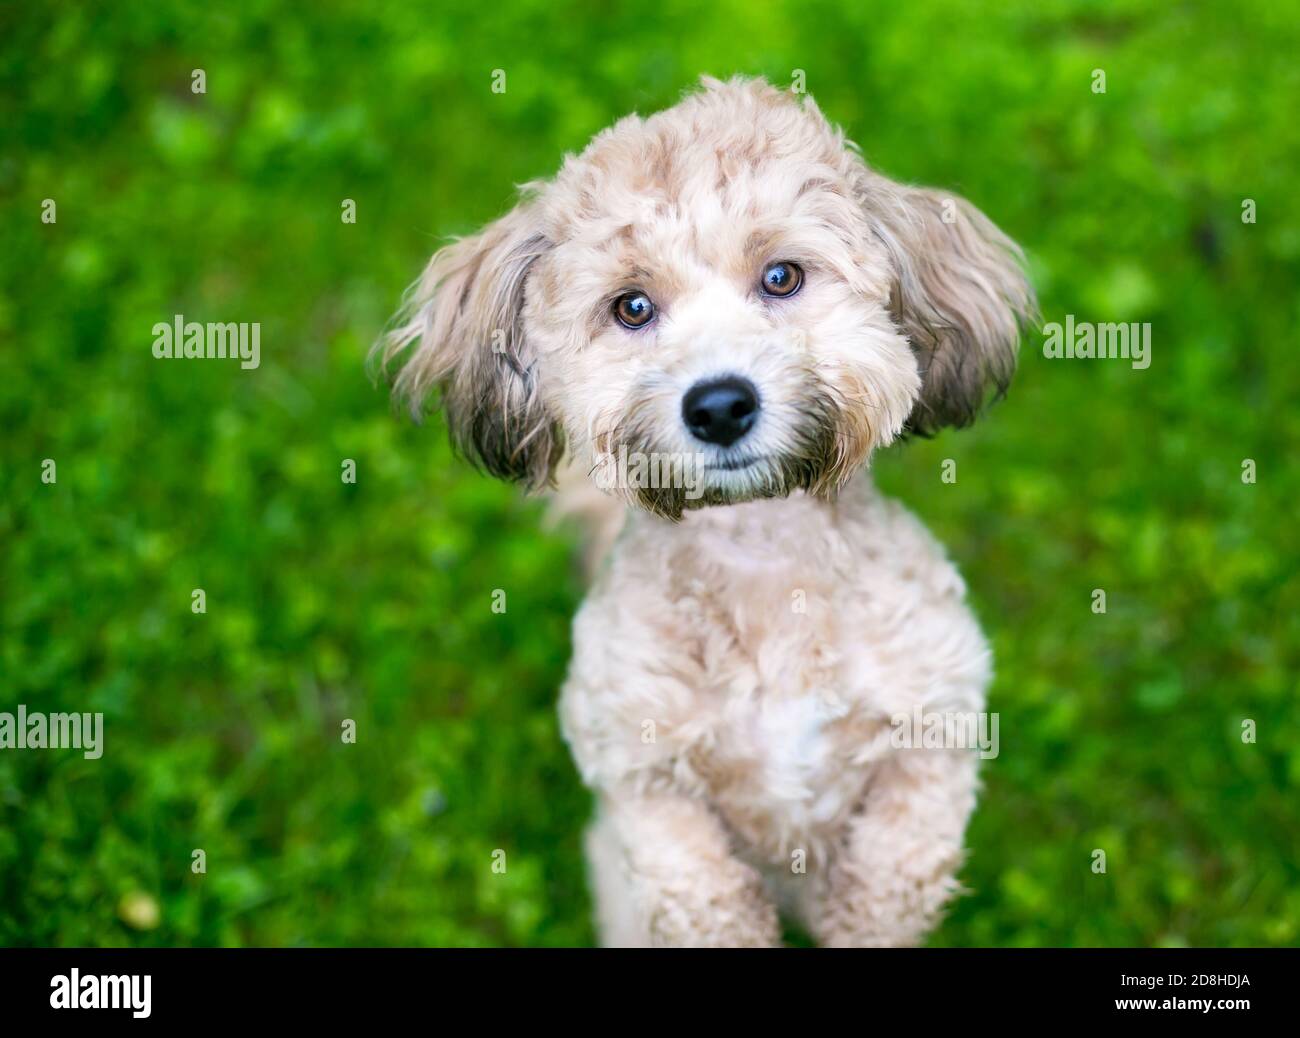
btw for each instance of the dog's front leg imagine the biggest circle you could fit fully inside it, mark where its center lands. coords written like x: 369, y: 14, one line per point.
x: 889, y: 880
x: 666, y: 877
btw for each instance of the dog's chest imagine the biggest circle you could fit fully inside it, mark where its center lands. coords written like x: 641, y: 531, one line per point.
x: 779, y: 731
x: 777, y: 771
x: 755, y: 659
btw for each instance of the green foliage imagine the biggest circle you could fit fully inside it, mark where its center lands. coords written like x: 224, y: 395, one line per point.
x: 328, y: 601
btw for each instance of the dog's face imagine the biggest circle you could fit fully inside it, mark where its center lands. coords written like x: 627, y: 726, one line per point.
x: 726, y: 287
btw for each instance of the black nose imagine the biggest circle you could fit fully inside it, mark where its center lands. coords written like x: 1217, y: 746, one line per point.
x: 720, y: 412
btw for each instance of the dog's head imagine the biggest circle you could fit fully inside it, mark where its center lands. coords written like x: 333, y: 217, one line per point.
x: 726, y: 284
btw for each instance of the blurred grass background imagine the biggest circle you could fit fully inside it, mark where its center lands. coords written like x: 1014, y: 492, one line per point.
x: 372, y: 601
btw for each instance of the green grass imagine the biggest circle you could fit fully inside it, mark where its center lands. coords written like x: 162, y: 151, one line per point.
x: 371, y: 601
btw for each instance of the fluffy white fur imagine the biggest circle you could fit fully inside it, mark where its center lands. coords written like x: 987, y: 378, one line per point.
x: 740, y: 655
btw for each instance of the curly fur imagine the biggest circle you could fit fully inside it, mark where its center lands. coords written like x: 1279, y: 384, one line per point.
x: 727, y: 733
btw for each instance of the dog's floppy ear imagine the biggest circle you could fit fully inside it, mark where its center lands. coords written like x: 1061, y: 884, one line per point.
x: 959, y: 294
x: 465, y: 315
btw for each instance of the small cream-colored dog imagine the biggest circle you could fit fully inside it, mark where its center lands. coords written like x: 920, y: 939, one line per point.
x: 727, y: 290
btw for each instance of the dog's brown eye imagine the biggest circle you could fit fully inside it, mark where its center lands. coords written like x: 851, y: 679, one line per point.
x: 634, y: 310
x: 782, y: 279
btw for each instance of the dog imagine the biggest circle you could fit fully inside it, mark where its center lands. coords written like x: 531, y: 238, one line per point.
x: 729, y: 284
